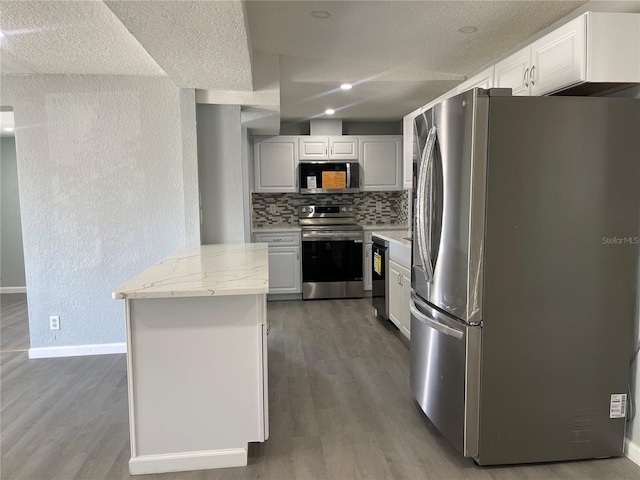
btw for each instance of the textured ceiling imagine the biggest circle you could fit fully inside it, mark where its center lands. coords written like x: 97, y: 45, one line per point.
x: 400, y: 54
x: 199, y: 44
x: 69, y: 37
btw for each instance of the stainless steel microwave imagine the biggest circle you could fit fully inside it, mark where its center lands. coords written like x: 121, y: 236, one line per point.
x: 329, y: 177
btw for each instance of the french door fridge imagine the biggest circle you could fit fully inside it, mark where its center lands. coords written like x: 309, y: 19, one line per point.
x: 522, y: 302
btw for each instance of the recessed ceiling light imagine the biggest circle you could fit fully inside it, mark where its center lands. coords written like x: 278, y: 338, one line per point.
x: 320, y: 14
x: 1, y: 34
x: 329, y: 111
x: 468, y: 29
x: 346, y: 86
x: 8, y: 129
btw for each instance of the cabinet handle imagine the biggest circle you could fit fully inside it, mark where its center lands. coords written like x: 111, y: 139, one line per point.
x: 533, y: 76
x: 331, y: 150
x: 297, y: 255
x: 326, y: 149
x: 526, y: 77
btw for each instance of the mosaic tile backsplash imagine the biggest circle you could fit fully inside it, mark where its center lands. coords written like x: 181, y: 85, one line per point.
x: 270, y: 209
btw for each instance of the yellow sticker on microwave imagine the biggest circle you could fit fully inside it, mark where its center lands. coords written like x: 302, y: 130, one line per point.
x: 336, y: 180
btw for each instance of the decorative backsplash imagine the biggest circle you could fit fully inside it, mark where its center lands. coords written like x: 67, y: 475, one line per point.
x: 282, y: 208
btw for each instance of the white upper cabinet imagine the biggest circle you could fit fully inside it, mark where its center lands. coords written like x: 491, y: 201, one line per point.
x: 381, y: 162
x: 275, y: 164
x: 409, y: 148
x: 339, y: 147
x: 558, y: 59
x: 483, y: 79
x: 513, y: 72
x: 343, y: 147
x: 595, y: 47
x: 555, y: 61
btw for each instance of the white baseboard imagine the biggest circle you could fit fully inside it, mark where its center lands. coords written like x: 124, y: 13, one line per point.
x: 632, y: 451
x: 182, y: 462
x: 13, y: 290
x: 78, y: 350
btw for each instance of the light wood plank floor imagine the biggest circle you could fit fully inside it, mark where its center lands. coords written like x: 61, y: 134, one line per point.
x: 340, y: 408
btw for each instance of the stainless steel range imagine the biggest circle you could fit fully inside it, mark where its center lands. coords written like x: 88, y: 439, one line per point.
x: 331, y: 252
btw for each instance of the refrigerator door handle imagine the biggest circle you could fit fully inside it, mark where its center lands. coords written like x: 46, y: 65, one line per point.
x: 452, y: 332
x: 425, y: 164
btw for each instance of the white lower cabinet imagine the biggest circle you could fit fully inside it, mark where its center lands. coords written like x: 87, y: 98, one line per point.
x: 399, y: 297
x: 284, y: 261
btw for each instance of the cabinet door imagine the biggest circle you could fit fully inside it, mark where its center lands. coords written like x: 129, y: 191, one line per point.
x: 284, y: 270
x: 409, y: 149
x: 483, y: 79
x: 275, y: 164
x: 367, y: 265
x: 514, y: 72
x: 381, y: 161
x: 395, y: 293
x: 405, y: 313
x: 343, y: 147
x: 558, y: 59
x: 314, y: 148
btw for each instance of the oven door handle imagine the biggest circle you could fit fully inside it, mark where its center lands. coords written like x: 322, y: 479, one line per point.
x: 320, y: 236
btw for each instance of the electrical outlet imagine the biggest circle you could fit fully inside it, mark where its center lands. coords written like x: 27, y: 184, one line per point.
x: 54, y: 322
x: 273, y: 208
x: 378, y: 206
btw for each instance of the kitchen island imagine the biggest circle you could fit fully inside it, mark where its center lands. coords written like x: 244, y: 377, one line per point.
x: 197, y: 358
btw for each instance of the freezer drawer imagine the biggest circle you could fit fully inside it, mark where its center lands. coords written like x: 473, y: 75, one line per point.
x: 445, y: 373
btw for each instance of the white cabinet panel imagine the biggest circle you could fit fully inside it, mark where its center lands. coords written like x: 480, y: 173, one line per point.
x: 399, y: 297
x: 338, y: 147
x: 343, y: 147
x: 409, y: 148
x: 284, y: 270
x: 284, y: 261
x: 558, y: 59
x: 275, y: 164
x: 513, y: 72
x: 314, y: 148
x: 381, y: 162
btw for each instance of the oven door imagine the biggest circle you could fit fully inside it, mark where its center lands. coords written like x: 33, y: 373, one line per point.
x: 332, y: 264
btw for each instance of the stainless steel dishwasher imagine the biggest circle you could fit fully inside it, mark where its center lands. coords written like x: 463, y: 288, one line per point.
x: 379, y: 276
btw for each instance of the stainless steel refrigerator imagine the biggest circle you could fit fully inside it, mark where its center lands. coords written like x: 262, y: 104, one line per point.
x: 525, y: 254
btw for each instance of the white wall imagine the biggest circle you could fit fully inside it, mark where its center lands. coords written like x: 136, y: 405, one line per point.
x: 102, y: 194
x: 220, y: 173
x: 11, y: 257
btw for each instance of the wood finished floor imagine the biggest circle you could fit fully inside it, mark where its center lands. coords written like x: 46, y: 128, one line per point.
x: 340, y: 408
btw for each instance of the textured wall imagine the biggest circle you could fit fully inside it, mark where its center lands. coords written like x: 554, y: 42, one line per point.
x: 220, y: 173
x: 190, y: 166
x: 633, y: 433
x: 101, y: 194
x: 11, y: 257
x: 394, y: 207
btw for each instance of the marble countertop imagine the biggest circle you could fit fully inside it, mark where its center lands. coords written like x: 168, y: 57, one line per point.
x: 276, y: 229
x: 395, y: 236
x: 203, y: 270
x: 385, y: 226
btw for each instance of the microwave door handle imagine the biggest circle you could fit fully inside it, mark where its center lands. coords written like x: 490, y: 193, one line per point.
x: 430, y: 322
x: 348, y: 175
